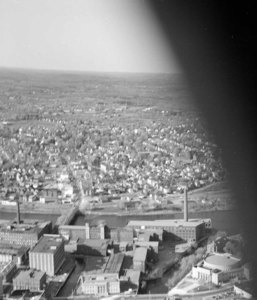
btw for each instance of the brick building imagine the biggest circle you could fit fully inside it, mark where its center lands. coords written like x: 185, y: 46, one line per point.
x: 96, y: 231
x: 122, y: 235
x: 191, y: 230
x: 26, y: 233
x: 88, y: 231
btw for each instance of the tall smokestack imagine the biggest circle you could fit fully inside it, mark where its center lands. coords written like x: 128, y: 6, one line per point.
x: 18, y: 211
x: 185, y: 205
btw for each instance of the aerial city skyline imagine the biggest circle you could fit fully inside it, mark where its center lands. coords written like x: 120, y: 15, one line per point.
x: 112, y: 182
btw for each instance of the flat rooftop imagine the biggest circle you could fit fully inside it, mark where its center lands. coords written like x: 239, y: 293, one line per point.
x: 13, y: 249
x: 94, y: 223
x: 114, y: 263
x: 100, y: 277
x: 147, y: 244
x: 94, y: 243
x: 133, y: 275
x: 29, y: 275
x: 140, y: 254
x: 95, y: 264
x: 48, y: 243
x: 32, y: 226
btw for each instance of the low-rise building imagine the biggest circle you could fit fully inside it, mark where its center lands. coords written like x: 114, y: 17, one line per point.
x: 123, y: 246
x: 50, y: 193
x: 114, y: 264
x: 148, y: 245
x: 94, y: 231
x: 99, y: 284
x: 144, y: 236
x: 14, y: 252
x: 130, y: 281
x: 30, y: 280
x: 93, y: 247
x: 72, y: 232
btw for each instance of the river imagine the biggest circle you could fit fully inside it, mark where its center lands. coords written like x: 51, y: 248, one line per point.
x: 227, y: 220
x: 12, y: 215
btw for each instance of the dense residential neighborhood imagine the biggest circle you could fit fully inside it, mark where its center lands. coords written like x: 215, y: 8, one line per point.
x: 159, y: 158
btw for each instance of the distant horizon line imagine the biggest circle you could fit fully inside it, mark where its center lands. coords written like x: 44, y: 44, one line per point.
x: 87, y: 71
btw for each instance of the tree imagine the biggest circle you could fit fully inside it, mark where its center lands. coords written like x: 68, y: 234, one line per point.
x: 185, y: 266
x: 234, y: 248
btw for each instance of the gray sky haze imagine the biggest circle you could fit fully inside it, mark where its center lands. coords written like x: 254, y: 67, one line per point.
x: 83, y: 35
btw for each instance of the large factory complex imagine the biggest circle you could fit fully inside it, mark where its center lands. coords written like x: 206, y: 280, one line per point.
x: 115, y: 259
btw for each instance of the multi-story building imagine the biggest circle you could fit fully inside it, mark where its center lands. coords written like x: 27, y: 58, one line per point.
x: 88, y: 231
x: 30, y: 280
x: 190, y: 231
x: 26, y: 233
x: 139, y: 259
x: 48, y: 254
x: 14, y: 253
x: 99, y: 284
x: 122, y: 235
x: 72, y: 232
x: 96, y: 231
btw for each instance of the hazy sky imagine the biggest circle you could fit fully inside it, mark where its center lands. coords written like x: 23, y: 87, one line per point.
x: 90, y: 35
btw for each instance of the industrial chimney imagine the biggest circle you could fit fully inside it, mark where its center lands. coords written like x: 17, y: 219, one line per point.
x: 185, y: 205
x: 18, y: 211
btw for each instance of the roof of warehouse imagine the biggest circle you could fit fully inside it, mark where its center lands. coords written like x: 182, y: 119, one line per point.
x: 140, y: 254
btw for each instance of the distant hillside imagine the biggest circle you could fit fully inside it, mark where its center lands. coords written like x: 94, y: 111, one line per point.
x: 165, y: 90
